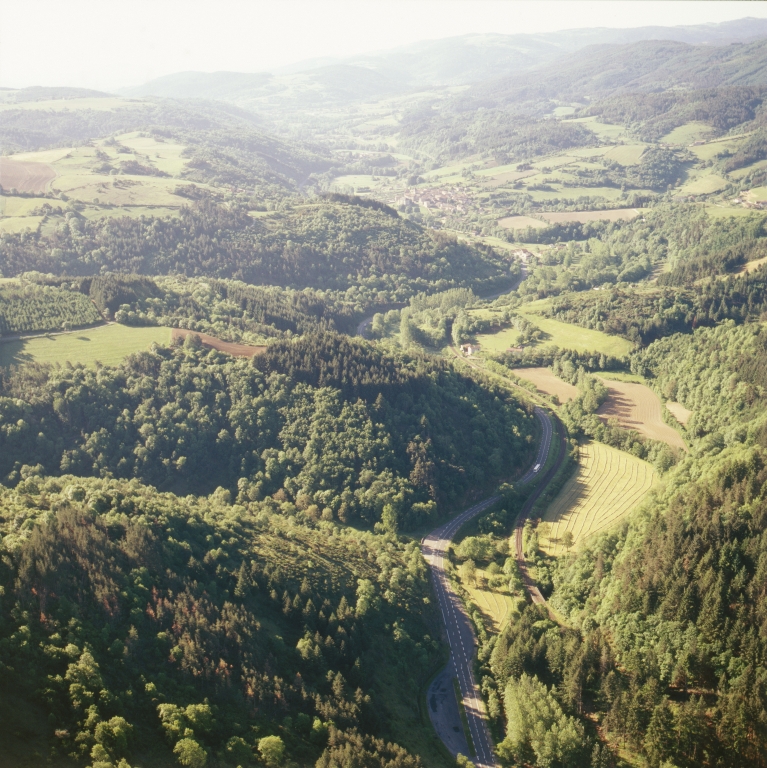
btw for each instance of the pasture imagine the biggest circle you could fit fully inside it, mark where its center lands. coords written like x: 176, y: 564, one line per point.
x: 711, y: 149
x: 567, y: 336
x: 612, y: 214
x: 562, y: 335
x: 702, y: 184
x: 607, y: 485
x: 685, y: 134
x: 637, y: 407
x: 95, y: 176
x: 741, y: 173
x: 547, y: 383
x: 107, y: 344
x: 521, y: 222
x: 626, y: 154
x: 718, y: 211
x: 604, y: 131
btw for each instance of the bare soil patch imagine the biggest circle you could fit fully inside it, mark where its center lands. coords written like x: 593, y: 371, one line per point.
x: 547, y: 383
x: 637, y: 407
x: 614, y: 214
x: 679, y: 412
x: 238, y: 350
x: 24, y: 176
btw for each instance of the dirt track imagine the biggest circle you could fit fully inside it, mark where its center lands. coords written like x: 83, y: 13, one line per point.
x: 238, y: 350
x: 25, y: 177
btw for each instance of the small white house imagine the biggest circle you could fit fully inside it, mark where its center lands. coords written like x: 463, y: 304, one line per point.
x: 469, y: 349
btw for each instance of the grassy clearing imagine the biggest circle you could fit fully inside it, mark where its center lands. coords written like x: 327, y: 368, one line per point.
x: 612, y: 214
x: 718, y: 212
x: 13, y: 225
x: 25, y: 206
x: 636, y: 406
x: 679, y: 412
x: 607, y: 485
x: 604, y: 131
x: 687, y: 133
x: 568, y: 336
x: 496, y: 607
x: 558, y: 334
x: 703, y: 184
x: 711, y: 149
x: 626, y: 154
x: 107, y: 344
x: 752, y: 266
x: 619, y: 376
x: 547, y: 383
x: 521, y: 222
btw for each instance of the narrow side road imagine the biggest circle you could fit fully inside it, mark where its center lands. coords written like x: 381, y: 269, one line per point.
x: 460, y: 634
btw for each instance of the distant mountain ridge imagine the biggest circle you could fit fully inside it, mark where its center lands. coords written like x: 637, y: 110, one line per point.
x: 460, y: 60
x: 605, y: 70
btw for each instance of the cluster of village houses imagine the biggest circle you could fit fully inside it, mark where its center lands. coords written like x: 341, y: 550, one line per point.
x: 452, y: 200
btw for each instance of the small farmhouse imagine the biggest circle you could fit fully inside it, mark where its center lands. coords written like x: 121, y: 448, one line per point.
x: 469, y: 349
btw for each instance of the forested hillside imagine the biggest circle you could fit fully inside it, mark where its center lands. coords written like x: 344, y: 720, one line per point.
x: 325, y: 245
x: 213, y: 560
x: 332, y: 426
x: 145, y: 628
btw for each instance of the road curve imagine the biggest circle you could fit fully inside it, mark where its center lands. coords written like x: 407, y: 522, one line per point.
x: 460, y: 634
x: 530, y: 585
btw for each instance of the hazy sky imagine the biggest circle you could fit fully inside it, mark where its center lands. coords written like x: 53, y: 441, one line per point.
x: 107, y: 44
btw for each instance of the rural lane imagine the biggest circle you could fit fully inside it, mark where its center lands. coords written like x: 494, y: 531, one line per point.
x: 460, y: 634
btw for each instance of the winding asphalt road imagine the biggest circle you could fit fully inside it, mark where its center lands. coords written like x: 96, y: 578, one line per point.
x: 460, y: 634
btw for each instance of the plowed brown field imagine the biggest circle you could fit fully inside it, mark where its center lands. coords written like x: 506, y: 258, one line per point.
x: 546, y: 382
x: 638, y: 407
x: 238, y: 350
x: 25, y: 177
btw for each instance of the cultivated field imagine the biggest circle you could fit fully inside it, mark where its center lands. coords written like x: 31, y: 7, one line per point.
x: 238, y: 350
x: 679, y: 412
x: 25, y: 176
x: 107, y: 344
x: 521, y: 222
x: 613, y: 214
x: 607, y: 485
x: 636, y: 406
x: 547, y: 383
